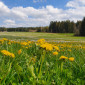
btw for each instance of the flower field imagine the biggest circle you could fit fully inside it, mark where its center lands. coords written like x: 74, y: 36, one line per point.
x: 38, y: 62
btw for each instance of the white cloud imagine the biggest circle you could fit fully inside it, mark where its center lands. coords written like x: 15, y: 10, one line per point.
x: 72, y: 4
x: 75, y: 3
x: 3, y: 9
x: 9, y: 22
x: 76, y: 10
x: 30, y: 16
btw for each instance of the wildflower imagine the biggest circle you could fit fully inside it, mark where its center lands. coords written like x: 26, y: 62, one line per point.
x: 29, y: 42
x: 63, y: 57
x: 12, y: 55
x: 19, y: 51
x: 41, y: 41
x: 71, y: 59
x: 47, y: 46
x: 5, y: 39
x: 55, y: 53
x: 7, y: 53
x: 24, y: 43
x: 26, y: 47
x: 57, y: 48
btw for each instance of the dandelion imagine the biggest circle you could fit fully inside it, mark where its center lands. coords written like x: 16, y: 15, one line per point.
x: 26, y: 47
x: 63, y: 57
x: 19, y: 51
x: 7, y: 53
x: 40, y: 41
x: 57, y: 48
x: 5, y: 39
x: 55, y: 53
x: 24, y: 43
x: 12, y: 55
x: 29, y: 42
x: 71, y: 59
x: 47, y: 46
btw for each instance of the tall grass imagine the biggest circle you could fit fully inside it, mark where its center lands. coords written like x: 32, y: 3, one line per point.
x: 35, y: 64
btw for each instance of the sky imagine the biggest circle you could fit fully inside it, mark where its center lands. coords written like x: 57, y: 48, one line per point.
x: 32, y: 13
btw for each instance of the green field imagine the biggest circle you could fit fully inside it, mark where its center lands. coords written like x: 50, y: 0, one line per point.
x: 37, y: 35
x: 60, y: 60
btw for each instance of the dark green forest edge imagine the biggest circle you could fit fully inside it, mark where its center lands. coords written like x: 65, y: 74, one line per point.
x: 67, y: 26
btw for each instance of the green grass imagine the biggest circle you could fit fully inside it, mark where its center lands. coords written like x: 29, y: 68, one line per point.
x: 37, y: 35
x: 36, y: 65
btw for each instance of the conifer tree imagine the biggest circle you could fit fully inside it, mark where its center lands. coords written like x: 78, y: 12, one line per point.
x: 82, y: 29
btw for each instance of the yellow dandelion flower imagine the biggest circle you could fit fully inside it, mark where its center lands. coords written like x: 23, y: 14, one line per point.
x: 41, y: 41
x: 57, y: 48
x: 63, y: 57
x: 24, y: 43
x: 71, y: 59
x: 26, y: 47
x: 5, y: 39
x: 12, y: 55
x: 7, y: 53
x: 4, y: 52
x: 55, y: 53
x: 47, y: 46
x: 19, y: 51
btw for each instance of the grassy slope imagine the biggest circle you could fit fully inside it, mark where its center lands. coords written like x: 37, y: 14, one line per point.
x: 38, y: 35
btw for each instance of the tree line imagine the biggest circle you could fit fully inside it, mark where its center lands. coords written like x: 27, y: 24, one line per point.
x: 67, y: 26
x: 62, y: 27
x: 25, y: 29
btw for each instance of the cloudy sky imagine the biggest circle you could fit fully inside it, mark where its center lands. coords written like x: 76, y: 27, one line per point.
x: 26, y: 13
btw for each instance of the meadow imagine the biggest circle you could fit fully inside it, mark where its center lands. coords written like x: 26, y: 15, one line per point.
x: 38, y: 35
x: 41, y: 59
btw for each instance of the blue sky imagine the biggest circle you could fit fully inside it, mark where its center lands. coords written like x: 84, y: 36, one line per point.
x: 36, y: 4
x: 31, y: 13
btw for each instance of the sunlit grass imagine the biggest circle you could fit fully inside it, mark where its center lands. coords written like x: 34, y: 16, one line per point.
x: 38, y: 35
x: 41, y: 63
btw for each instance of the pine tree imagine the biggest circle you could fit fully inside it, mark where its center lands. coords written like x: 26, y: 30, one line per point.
x: 82, y: 29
